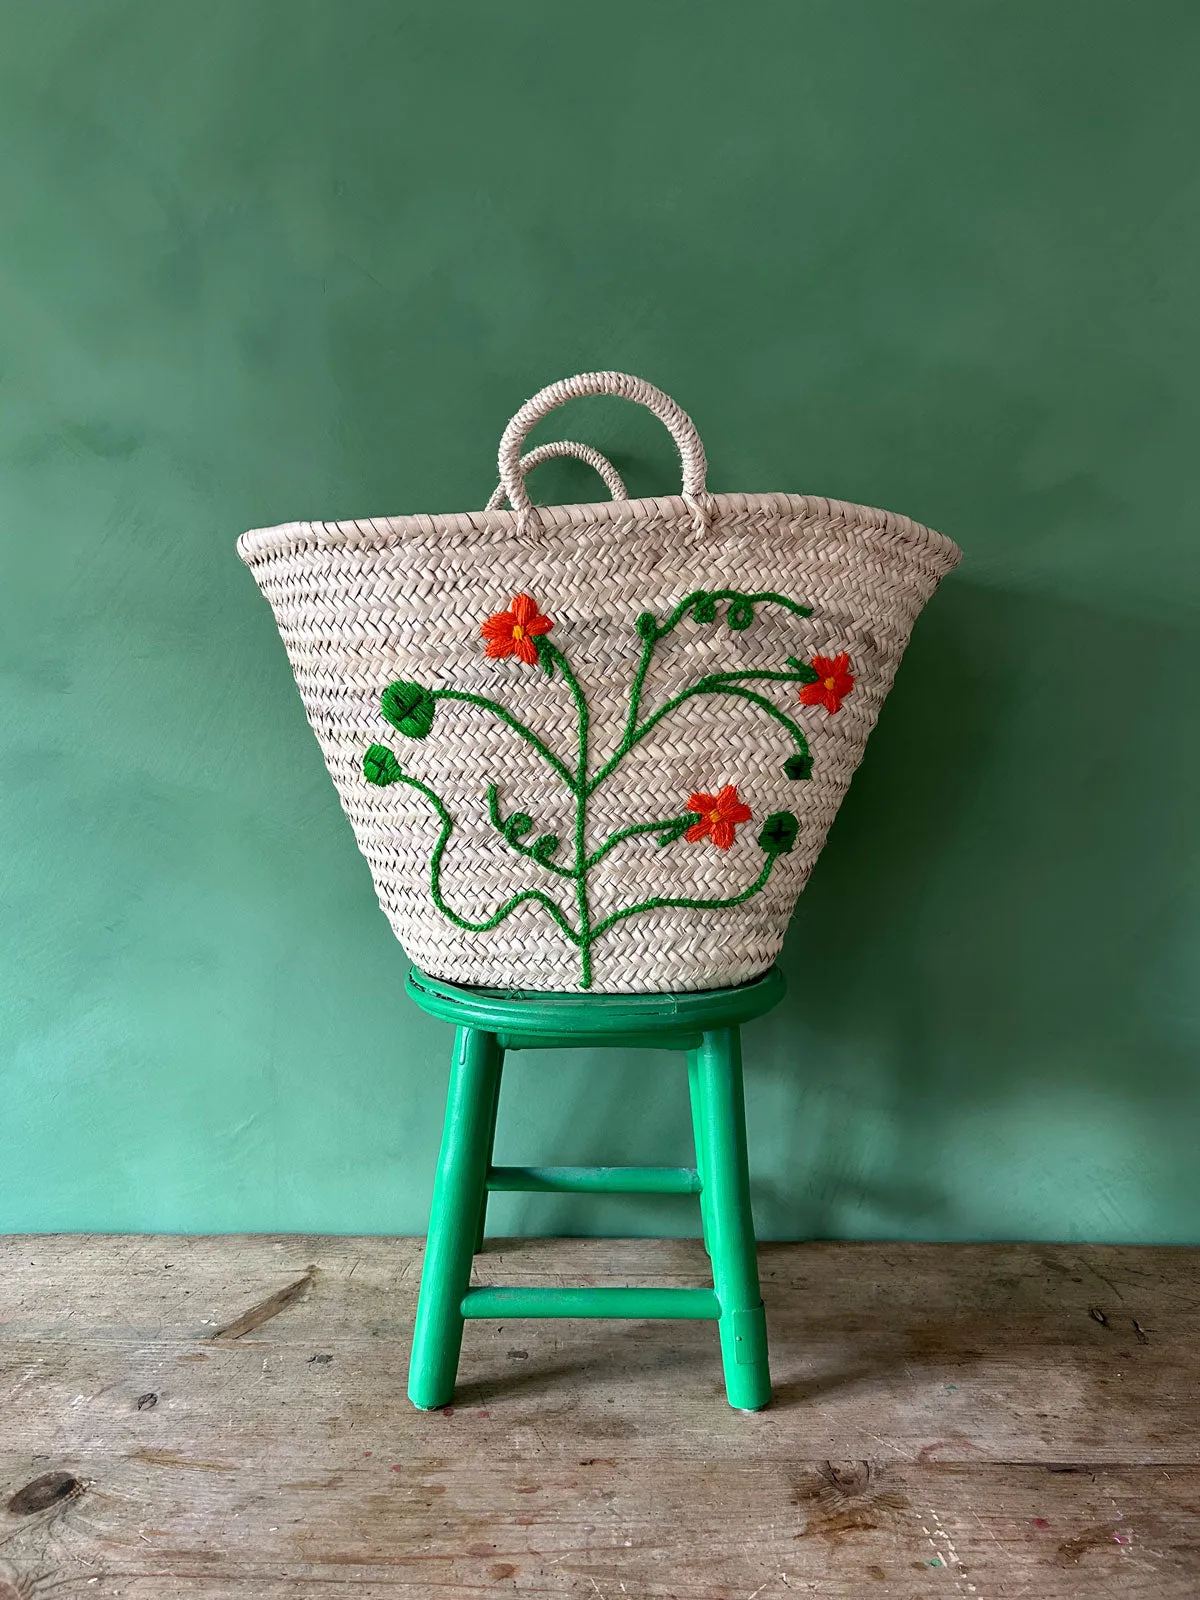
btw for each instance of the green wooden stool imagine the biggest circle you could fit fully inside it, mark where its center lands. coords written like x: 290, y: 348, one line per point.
x: 490, y: 1022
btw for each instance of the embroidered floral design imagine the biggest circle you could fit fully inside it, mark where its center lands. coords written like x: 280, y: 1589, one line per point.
x: 521, y: 631
x: 717, y: 817
x: 408, y: 707
x: 779, y: 833
x: 834, y: 681
x: 515, y: 632
x: 380, y: 766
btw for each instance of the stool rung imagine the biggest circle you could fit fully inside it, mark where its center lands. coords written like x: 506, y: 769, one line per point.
x: 638, y: 1303
x: 595, y: 1180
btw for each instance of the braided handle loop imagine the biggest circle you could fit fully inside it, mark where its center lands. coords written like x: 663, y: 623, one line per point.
x: 621, y: 384
x: 565, y: 447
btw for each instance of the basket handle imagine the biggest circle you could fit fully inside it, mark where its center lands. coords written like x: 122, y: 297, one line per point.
x: 681, y: 426
x: 565, y: 447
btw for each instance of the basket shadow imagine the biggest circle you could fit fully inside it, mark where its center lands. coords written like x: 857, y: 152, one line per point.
x: 986, y: 936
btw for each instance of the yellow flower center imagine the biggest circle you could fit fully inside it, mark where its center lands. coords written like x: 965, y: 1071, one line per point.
x: 714, y: 816
x: 831, y: 683
x: 518, y: 632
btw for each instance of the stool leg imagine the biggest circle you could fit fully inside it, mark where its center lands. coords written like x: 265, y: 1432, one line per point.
x: 743, y: 1325
x: 491, y: 1143
x: 457, y: 1197
x: 698, y: 1141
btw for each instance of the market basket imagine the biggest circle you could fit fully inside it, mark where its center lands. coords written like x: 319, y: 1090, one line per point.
x: 597, y: 746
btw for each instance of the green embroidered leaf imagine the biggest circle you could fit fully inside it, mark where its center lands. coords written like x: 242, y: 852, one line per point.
x: 741, y: 614
x: 517, y: 826
x: 380, y: 766
x: 705, y: 609
x: 779, y: 833
x: 646, y: 626
x: 798, y: 766
x: 409, y: 707
x: 804, y: 672
x: 544, y: 847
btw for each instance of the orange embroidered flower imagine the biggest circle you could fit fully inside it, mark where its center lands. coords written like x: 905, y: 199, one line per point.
x: 718, y: 817
x: 834, y: 682
x: 512, y: 632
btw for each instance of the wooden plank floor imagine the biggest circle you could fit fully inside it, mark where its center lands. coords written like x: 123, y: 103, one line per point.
x: 218, y: 1419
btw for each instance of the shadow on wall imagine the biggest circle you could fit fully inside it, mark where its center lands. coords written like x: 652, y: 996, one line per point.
x: 978, y: 962
x: 975, y: 972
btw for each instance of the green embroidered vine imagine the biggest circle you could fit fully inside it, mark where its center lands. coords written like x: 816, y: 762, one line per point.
x: 514, y: 828
x: 374, y: 755
x: 412, y: 709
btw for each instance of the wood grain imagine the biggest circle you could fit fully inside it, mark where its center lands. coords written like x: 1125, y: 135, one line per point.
x: 962, y: 1420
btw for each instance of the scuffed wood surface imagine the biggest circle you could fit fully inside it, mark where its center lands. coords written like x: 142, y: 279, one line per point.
x: 220, y: 1419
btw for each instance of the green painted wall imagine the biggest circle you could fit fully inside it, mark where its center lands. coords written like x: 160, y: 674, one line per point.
x: 264, y: 259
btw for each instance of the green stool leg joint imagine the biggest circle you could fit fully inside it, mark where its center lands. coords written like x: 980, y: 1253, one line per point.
x: 749, y: 1336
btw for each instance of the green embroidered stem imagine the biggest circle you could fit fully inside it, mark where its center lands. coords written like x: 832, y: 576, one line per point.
x: 669, y: 827
x: 686, y: 902
x: 512, y: 829
x: 741, y: 609
x: 650, y: 638
x: 514, y: 723
x: 806, y: 675
x: 435, y: 876
x: 713, y: 685
x: 703, y: 605
x: 553, y: 657
x: 759, y: 700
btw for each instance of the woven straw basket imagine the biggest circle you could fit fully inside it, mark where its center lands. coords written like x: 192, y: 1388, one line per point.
x: 596, y: 746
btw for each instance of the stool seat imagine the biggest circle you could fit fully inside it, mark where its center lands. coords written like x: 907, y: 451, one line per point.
x: 542, y: 1021
x: 490, y: 1022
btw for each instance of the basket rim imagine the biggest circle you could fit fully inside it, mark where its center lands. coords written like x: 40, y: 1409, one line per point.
x: 379, y: 532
